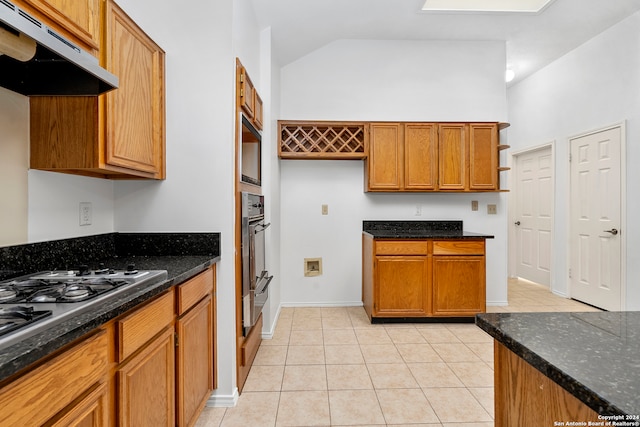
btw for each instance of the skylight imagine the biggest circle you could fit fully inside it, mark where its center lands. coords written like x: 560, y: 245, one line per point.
x: 500, y: 6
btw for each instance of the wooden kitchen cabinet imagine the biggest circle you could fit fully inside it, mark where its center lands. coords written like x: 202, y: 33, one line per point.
x: 459, y: 278
x: 248, y: 98
x: 194, y: 352
x: 420, y: 156
x: 78, y: 20
x: 453, y: 158
x: 146, y: 385
x: 91, y: 411
x: 59, y: 388
x: 385, y: 161
x: 117, y: 135
x: 423, y: 278
x: 401, y: 286
x: 145, y: 345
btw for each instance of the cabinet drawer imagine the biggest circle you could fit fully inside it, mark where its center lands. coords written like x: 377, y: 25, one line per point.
x: 41, y: 393
x: 139, y: 327
x: 459, y: 247
x: 395, y: 247
x: 193, y: 290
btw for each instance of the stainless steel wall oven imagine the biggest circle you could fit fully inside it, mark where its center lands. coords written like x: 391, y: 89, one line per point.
x: 255, y: 277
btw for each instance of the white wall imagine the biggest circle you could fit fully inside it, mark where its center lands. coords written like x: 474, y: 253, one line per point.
x: 14, y: 160
x: 198, y: 192
x: 391, y: 81
x: 596, y: 85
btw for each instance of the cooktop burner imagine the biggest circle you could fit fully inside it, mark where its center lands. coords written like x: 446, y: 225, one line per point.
x: 32, y: 303
x: 13, y: 318
x: 57, y: 289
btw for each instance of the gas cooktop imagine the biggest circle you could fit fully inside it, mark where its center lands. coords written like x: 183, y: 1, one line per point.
x: 32, y: 303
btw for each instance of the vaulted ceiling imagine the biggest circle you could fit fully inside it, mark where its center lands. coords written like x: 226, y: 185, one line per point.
x: 533, y: 40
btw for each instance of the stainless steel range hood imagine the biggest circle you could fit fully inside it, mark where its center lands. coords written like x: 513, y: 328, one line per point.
x: 56, y: 65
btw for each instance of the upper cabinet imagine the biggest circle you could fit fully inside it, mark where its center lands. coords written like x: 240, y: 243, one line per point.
x: 248, y: 99
x: 118, y: 135
x: 402, y: 157
x: 78, y: 20
x: 444, y: 157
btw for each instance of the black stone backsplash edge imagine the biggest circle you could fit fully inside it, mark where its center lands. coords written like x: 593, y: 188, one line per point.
x: 67, y: 254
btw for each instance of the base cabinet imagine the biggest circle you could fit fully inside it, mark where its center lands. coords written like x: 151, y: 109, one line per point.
x: 57, y: 390
x: 146, y: 385
x: 91, y: 411
x: 525, y: 397
x: 423, y: 278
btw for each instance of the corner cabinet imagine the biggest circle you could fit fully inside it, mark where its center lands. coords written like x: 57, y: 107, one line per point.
x: 118, y: 135
x: 423, y: 278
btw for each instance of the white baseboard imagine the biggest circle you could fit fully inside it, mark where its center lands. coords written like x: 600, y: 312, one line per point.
x: 223, y: 401
x: 497, y: 303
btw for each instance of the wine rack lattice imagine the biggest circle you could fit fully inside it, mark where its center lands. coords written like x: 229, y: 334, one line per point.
x: 322, y: 140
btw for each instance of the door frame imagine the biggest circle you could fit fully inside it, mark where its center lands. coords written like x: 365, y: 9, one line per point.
x: 623, y: 206
x: 512, y: 235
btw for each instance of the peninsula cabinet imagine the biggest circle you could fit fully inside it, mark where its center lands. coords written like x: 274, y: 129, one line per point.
x: 440, y: 157
x: 117, y: 135
x: 410, y: 278
x: 78, y: 20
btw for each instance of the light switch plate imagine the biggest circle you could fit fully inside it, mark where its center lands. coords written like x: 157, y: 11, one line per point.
x: 325, y: 209
x: 474, y: 205
x: 492, y: 209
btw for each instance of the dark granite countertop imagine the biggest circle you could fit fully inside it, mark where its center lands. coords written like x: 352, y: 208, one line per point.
x: 595, y: 356
x: 419, y: 230
x: 183, y: 255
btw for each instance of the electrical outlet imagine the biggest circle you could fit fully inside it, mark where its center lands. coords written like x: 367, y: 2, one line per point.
x: 492, y: 209
x: 474, y: 205
x: 85, y: 213
x: 325, y: 209
x: 418, y: 210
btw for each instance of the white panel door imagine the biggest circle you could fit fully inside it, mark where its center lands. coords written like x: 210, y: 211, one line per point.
x: 595, y: 219
x: 534, y: 214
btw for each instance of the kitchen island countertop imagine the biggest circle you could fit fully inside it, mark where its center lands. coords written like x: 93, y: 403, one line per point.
x: 595, y: 356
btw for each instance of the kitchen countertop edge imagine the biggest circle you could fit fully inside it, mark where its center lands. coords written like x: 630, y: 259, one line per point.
x: 426, y: 234
x: 587, y: 396
x: 21, y: 355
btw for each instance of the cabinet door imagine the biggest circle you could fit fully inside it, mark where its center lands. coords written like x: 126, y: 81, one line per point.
x: 146, y: 385
x: 385, y: 157
x: 400, y: 286
x: 452, y: 157
x: 91, y: 411
x: 135, y: 115
x: 81, y: 18
x: 258, y: 109
x: 483, y: 156
x: 458, y: 285
x: 420, y: 156
x: 194, y: 361
x: 247, y: 94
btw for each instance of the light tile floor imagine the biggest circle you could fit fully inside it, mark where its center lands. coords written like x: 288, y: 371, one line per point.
x: 329, y: 366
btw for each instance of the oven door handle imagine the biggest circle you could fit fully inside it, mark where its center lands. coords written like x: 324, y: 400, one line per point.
x: 264, y: 227
x: 264, y: 287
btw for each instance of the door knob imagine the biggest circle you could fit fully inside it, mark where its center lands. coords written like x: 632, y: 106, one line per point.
x: 517, y: 223
x: 612, y: 231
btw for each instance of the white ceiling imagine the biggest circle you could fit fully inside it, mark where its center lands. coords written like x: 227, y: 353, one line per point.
x: 299, y: 27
